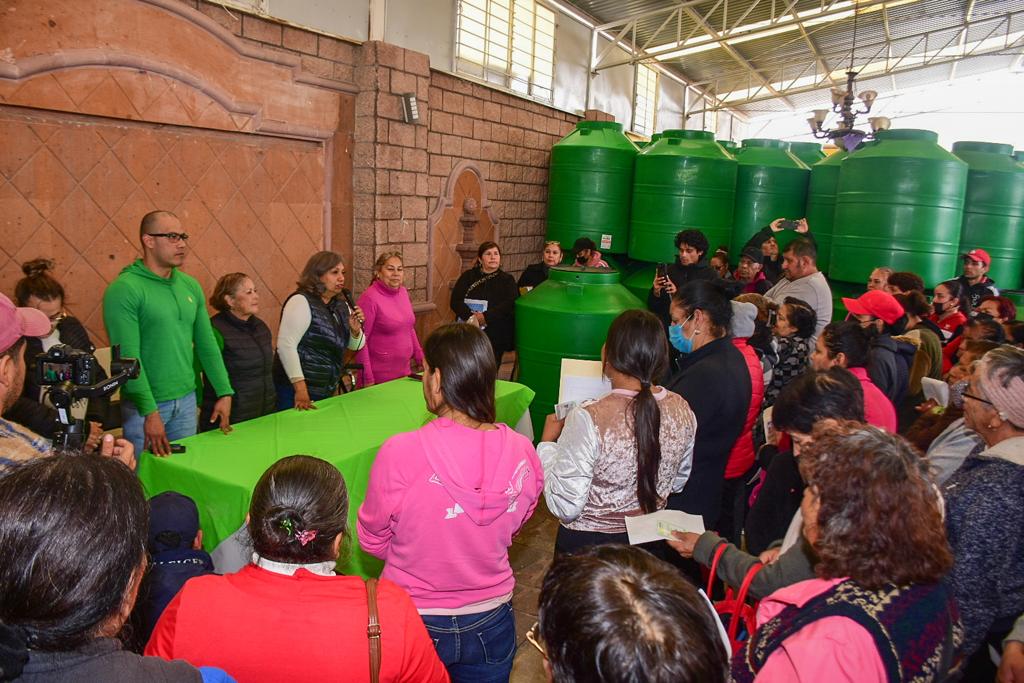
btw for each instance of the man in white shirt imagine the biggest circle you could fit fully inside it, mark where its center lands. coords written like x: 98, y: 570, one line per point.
x: 802, y: 280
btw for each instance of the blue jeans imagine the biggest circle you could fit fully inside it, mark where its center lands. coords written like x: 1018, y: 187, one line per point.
x: 475, y: 648
x: 179, y: 416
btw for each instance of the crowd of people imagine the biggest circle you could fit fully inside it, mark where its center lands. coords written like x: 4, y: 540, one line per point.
x: 876, y: 521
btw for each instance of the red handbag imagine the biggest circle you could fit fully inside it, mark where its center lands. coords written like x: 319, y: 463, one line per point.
x: 733, y: 609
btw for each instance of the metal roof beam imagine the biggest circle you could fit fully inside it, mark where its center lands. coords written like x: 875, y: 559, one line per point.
x: 968, y: 11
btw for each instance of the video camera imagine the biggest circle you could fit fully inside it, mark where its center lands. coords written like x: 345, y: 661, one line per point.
x: 71, y: 375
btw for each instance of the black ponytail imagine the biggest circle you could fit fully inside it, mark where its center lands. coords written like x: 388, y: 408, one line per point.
x: 636, y: 346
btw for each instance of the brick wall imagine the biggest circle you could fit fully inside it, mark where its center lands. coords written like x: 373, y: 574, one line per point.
x: 399, y: 170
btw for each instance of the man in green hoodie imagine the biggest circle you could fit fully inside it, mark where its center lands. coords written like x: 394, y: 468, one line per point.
x: 158, y: 315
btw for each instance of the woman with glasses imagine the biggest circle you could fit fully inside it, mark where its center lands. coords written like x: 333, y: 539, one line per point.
x: 392, y: 349
x: 537, y: 273
x: 40, y: 290
x: 985, y: 509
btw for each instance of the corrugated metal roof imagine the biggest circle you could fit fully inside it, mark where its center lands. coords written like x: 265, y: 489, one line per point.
x: 768, y: 46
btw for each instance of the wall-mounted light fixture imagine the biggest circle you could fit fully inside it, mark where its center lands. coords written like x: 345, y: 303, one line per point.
x: 410, y: 109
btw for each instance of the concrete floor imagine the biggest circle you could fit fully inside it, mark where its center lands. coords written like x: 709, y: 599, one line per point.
x: 530, y: 555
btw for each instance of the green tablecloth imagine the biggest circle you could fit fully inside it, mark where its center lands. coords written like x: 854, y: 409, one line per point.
x: 219, y: 471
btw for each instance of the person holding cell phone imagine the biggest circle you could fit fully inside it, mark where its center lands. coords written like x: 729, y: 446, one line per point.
x: 689, y: 266
x: 765, y: 240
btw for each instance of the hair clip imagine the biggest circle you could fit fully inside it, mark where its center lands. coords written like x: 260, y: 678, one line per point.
x: 288, y: 526
x: 305, y: 537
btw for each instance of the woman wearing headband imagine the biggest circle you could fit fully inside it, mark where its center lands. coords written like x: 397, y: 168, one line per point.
x: 985, y: 509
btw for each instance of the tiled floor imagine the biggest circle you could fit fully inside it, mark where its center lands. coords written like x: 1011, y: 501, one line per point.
x: 530, y: 556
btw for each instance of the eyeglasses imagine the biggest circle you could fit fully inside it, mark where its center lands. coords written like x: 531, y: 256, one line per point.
x: 978, y: 398
x: 531, y: 636
x: 173, y: 237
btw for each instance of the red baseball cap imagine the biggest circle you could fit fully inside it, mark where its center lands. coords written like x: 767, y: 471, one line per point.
x: 978, y: 255
x: 16, y: 323
x: 877, y: 304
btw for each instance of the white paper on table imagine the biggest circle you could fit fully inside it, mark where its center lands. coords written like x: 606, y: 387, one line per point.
x: 659, y: 525
x: 582, y: 380
x: 935, y: 389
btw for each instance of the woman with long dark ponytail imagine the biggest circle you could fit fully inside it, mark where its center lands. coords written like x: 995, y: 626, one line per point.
x: 621, y: 455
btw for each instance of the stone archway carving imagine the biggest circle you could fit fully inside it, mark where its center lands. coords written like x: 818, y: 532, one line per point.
x: 463, y: 203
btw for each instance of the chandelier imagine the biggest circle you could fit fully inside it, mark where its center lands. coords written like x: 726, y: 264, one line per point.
x: 844, y: 134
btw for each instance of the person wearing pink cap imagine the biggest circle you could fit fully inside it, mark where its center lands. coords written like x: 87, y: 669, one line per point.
x: 975, y: 278
x: 890, y: 359
x: 17, y: 444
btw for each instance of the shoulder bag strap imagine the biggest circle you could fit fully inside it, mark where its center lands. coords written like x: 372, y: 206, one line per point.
x: 741, y: 599
x: 719, y: 551
x: 373, y: 629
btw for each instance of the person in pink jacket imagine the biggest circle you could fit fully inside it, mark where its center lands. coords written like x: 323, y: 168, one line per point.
x: 443, y: 503
x: 879, y: 609
x: 845, y: 344
x: 392, y: 349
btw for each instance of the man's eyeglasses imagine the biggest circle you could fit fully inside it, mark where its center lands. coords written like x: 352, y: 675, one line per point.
x: 531, y: 636
x: 171, y: 236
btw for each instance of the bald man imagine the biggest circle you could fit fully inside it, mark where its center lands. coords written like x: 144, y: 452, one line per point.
x: 158, y: 315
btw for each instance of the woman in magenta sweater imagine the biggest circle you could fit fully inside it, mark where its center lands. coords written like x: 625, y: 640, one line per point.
x: 443, y: 503
x: 392, y: 349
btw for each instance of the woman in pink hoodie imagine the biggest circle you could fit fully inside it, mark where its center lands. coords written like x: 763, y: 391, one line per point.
x: 443, y: 503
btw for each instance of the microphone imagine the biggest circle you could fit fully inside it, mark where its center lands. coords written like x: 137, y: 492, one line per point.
x: 347, y: 293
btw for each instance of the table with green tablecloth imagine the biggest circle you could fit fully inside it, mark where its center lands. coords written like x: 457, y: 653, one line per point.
x: 219, y: 471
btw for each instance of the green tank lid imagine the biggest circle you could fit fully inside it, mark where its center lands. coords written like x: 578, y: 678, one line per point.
x: 686, y: 180
x: 729, y: 145
x: 566, y: 316
x: 770, y: 183
x: 808, y: 152
x: 590, y: 184
x: 900, y: 204
x: 821, y: 204
x: 994, y: 208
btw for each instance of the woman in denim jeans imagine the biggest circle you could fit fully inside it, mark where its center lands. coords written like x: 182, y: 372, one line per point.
x: 443, y: 503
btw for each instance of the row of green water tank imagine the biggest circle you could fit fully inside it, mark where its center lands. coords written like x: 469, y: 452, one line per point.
x: 901, y: 200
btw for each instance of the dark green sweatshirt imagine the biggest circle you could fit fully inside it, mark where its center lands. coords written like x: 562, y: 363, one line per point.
x: 161, y: 321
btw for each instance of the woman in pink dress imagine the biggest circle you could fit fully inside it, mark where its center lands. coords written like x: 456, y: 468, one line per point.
x: 392, y: 348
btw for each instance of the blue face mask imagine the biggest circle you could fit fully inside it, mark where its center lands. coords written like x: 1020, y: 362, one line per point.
x: 679, y: 341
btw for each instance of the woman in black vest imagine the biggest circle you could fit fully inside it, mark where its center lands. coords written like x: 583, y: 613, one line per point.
x: 879, y: 609
x: 248, y: 350
x: 316, y: 329
x: 485, y: 296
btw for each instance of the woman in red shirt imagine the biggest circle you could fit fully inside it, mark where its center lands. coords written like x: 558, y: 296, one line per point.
x: 287, y: 616
x: 951, y: 306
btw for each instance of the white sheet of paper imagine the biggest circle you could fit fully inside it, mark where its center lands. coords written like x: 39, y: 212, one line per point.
x: 659, y: 525
x: 582, y: 380
x: 935, y: 389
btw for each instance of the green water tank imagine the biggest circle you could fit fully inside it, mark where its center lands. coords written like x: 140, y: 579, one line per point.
x: 994, y: 208
x: 821, y: 203
x: 590, y: 185
x: 808, y: 152
x: 1019, y: 155
x: 770, y: 183
x: 566, y: 316
x: 729, y: 146
x: 899, y: 204
x: 638, y: 280
x: 684, y: 180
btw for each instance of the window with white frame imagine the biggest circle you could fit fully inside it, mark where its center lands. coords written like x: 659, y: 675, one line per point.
x: 508, y: 42
x: 646, y: 100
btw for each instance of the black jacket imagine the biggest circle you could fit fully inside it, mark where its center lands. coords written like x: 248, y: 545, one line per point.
x: 249, y: 358
x: 102, y: 659
x: 889, y: 364
x: 500, y: 292
x: 777, y: 501
x: 679, y: 275
x: 715, y: 381
x: 534, y: 274
x: 977, y: 292
x: 167, y: 573
x: 39, y: 417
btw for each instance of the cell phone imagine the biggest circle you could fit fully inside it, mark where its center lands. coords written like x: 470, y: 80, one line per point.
x: 789, y: 225
x: 177, y: 448
x: 662, y: 271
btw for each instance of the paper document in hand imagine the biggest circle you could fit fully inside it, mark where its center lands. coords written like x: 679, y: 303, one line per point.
x: 659, y: 525
x: 582, y: 380
x: 935, y: 389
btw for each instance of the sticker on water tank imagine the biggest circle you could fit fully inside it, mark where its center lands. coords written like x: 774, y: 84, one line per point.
x: 606, y: 241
